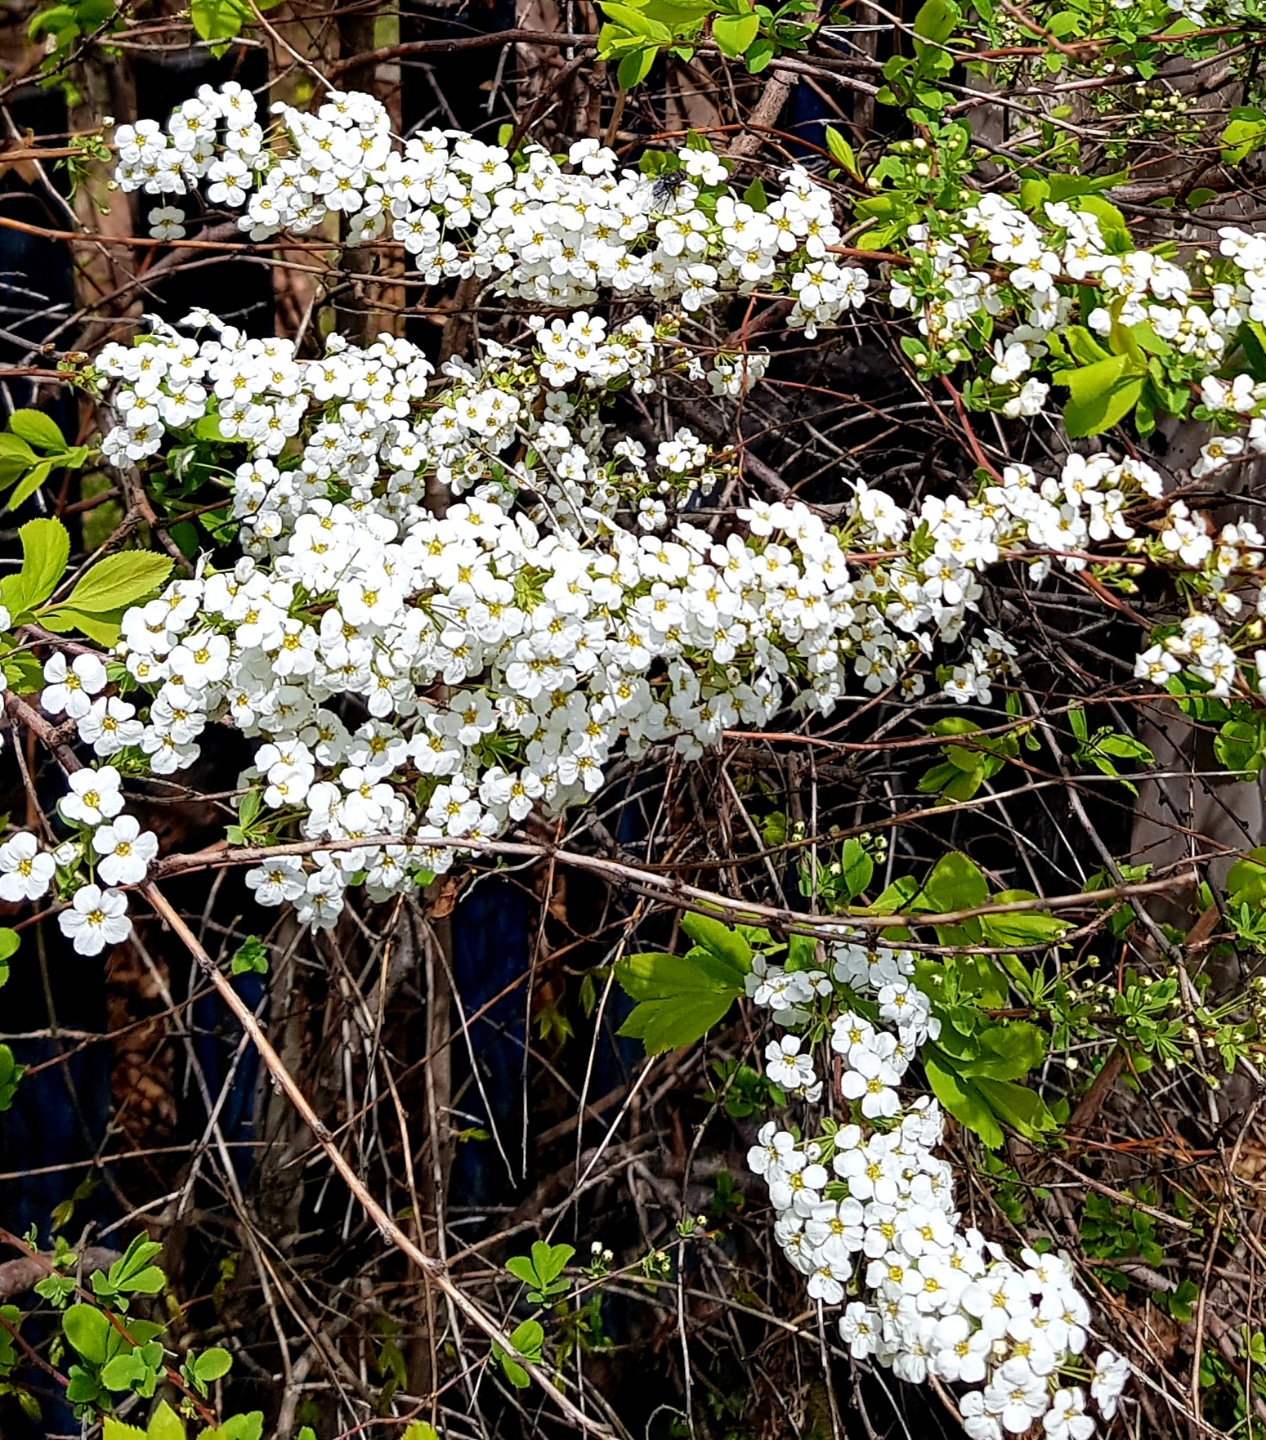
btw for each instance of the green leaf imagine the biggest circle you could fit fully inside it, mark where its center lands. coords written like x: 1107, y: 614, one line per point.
x: 961, y: 1099
x: 674, y: 1021
x: 1246, y: 879
x: 117, y: 1430
x: 1102, y: 394
x: 420, y: 1430
x: 212, y: 1364
x: 29, y: 484
x: 123, y: 1371
x: 118, y: 581
x: 165, y: 1424
x: 16, y: 457
x: 550, y: 1260
x: 243, y: 1427
x: 1008, y: 1052
x: 935, y: 22
x: 88, y: 1331
x: 104, y: 629
x: 857, y: 866
x: 10, y: 1074
x: 842, y: 152
x: 38, y: 430
x: 9, y: 942
x: 1245, y: 132
x: 734, y: 33
x: 218, y: 19
x: 956, y: 883
x: 636, y: 66
x: 759, y: 53
x: 719, y: 940
x: 133, y: 1272
x: 1016, y: 1105
x: 45, y: 551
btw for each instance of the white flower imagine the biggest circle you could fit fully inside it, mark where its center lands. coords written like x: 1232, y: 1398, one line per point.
x: 1066, y: 1419
x: 26, y: 871
x: 94, y: 796
x: 166, y: 222
x: 1111, y: 1373
x: 125, y: 851
x: 94, y: 919
x: 68, y: 687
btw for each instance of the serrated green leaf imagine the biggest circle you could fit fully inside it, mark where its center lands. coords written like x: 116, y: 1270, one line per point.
x: 118, y: 581
x: 45, y: 551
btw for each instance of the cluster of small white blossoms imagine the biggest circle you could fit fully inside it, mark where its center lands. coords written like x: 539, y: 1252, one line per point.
x: 563, y: 635
x: 461, y: 208
x: 117, y: 851
x: 953, y: 294
x: 866, y: 1208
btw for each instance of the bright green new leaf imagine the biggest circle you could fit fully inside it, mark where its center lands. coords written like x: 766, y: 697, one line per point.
x: 962, y: 1100
x: 956, y: 883
x: 858, y: 868
x: 842, y: 152
x: 1016, y: 1105
x: 680, y: 997
x: 10, y: 1074
x: 29, y: 484
x: 734, y: 33
x: 218, y: 19
x: 88, y: 1331
x: 719, y: 940
x: 118, y: 581
x: 45, y: 551
x: 935, y: 22
x: 636, y: 66
x: 1245, y: 133
x: 420, y: 1430
x: 104, y: 629
x: 212, y: 1364
x: 117, y: 1430
x: 165, y: 1424
x: 37, y: 430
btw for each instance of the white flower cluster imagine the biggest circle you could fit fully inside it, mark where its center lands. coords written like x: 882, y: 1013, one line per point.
x: 120, y: 852
x: 953, y: 294
x: 869, y: 1204
x: 559, y: 632
x: 547, y: 233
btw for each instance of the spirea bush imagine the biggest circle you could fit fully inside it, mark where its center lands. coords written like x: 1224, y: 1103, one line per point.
x: 522, y: 595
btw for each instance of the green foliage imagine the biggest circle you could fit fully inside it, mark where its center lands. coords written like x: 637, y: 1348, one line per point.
x: 1105, y: 747
x: 1112, y: 1231
x: 221, y: 21
x: 542, y: 1271
x: 527, y: 1340
x: 680, y: 998
x: 251, y: 957
x: 31, y: 449
x: 743, y: 1091
x: 95, y: 605
x: 637, y: 32
x: 977, y: 1063
x: 912, y: 81
x: 1244, y: 134
x: 970, y: 759
x: 9, y: 942
x: 10, y: 1073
